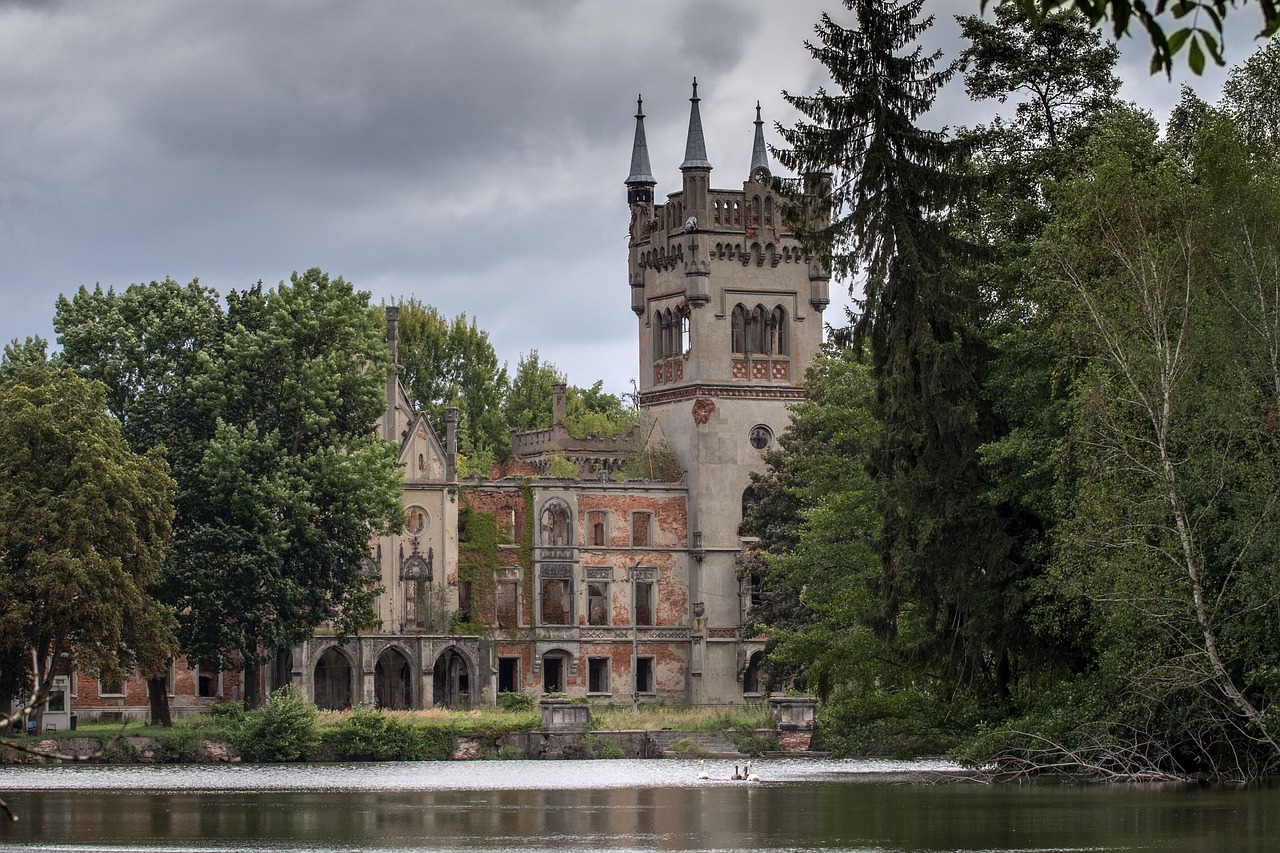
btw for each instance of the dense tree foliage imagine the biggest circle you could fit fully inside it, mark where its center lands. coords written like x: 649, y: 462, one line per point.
x: 450, y: 363
x: 895, y: 189
x: 1199, y: 23
x: 84, y: 522
x: 1094, y: 394
x: 266, y: 409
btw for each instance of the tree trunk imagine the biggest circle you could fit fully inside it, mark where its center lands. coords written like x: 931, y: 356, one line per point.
x: 158, y: 696
x: 282, y: 674
x: 252, y: 691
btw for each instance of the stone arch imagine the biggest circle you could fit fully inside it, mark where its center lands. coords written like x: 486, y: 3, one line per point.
x: 751, y: 675
x: 333, y: 679
x: 451, y: 677
x: 556, y: 665
x: 768, y: 211
x: 393, y: 680
x: 557, y: 523
x: 779, y: 331
x: 738, y: 329
x: 657, y: 335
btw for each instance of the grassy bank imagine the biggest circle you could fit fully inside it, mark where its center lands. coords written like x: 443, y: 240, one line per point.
x: 290, y: 729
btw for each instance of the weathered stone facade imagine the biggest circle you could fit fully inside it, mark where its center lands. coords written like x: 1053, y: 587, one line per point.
x: 591, y: 586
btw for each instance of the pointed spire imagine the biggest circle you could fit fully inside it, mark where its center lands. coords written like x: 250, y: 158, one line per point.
x: 641, y: 173
x: 695, y: 149
x: 759, y: 153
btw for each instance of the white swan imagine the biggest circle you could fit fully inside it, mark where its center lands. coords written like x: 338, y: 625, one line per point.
x: 702, y: 770
x: 751, y: 777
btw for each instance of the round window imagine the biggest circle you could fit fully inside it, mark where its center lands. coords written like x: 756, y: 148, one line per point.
x: 761, y: 436
x: 417, y: 521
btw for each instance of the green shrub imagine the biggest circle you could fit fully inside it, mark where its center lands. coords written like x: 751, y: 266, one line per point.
x: 438, y: 743
x: 286, y: 730
x: 508, y: 701
x: 751, y: 742
x: 610, y: 750
x: 183, y: 746
x: 117, y: 750
x: 233, y: 711
x: 367, y: 735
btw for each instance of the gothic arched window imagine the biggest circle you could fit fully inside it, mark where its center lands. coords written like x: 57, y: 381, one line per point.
x: 557, y: 529
x: 738, y: 328
x: 779, y: 332
x: 657, y: 336
x: 668, y: 334
x: 757, y: 330
x: 755, y: 210
x: 768, y: 211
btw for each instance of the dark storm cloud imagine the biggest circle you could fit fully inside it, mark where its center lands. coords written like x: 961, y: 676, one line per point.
x: 471, y: 154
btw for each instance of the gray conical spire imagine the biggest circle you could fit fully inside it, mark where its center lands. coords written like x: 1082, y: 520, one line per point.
x: 641, y: 173
x: 759, y: 153
x: 695, y: 149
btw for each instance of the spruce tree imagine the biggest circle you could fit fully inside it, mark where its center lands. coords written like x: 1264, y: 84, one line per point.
x: 894, y: 189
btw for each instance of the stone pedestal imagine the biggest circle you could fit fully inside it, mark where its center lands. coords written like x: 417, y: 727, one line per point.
x: 795, y: 718
x: 561, y: 715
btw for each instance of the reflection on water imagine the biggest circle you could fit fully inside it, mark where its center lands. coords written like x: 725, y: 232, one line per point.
x: 615, y: 805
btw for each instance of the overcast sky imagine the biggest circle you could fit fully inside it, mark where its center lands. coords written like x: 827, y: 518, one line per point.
x: 470, y: 154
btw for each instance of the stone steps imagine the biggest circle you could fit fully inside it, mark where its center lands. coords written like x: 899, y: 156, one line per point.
x: 695, y: 744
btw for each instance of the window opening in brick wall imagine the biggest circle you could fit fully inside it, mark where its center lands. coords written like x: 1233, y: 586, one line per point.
x: 508, y: 675
x: 464, y: 600
x: 641, y: 529
x: 644, y: 675
x: 644, y: 602
x: 598, y: 528
x: 597, y: 675
x: 557, y: 602
x: 507, y: 604
x: 597, y: 602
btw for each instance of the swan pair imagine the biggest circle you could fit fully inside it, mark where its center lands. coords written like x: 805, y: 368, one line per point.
x: 747, y: 774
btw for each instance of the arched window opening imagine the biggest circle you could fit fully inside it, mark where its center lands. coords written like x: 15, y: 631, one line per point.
x: 451, y: 681
x: 768, y: 211
x: 556, y: 527
x: 393, y: 683
x: 757, y: 330
x: 333, y: 681
x: 755, y: 210
x: 737, y: 213
x: 657, y: 335
x: 778, y: 329
x: 751, y: 677
x: 685, y: 343
x: 668, y: 334
x: 738, y: 329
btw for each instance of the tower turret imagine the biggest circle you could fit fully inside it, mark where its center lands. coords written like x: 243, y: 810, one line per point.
x: 759, y: 153
x: 640, y: 183
x: 696, y: 169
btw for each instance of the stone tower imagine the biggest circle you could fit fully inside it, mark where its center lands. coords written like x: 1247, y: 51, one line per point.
x: 730, y: 316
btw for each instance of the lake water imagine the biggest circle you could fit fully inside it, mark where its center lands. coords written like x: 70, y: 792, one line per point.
x: 862, y: 805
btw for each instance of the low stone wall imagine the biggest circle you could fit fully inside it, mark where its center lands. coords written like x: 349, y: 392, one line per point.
x: 512, y: 745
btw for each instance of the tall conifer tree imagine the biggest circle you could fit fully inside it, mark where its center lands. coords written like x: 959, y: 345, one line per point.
x: 894, y: 187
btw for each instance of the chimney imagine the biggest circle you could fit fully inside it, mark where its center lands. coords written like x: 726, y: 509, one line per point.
x: 393, y: 333
x: 451, y: 443
x: 559, y: 403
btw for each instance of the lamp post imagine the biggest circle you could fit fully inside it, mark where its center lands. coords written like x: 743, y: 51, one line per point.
x: 633, y: 574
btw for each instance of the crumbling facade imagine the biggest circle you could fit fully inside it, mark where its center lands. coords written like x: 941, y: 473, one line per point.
x: 594, y: 586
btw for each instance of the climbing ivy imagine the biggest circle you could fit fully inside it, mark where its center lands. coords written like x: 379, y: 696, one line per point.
x: 526, y: 548
x: 477, y: 562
